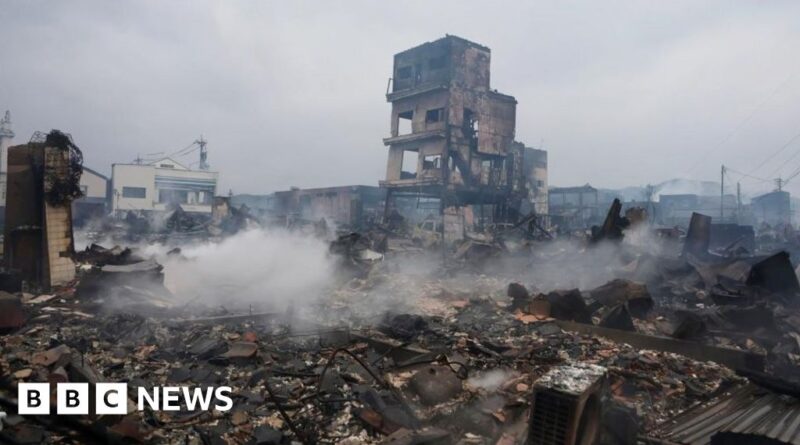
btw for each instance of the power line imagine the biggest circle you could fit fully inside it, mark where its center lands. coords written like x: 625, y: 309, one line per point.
x: 743, y: 175
x: 791, y: 176
x: 787, y: 160
x: 744, y: 122
x: 783, y: 147
x: 188, y: 152
x: 178, y: 152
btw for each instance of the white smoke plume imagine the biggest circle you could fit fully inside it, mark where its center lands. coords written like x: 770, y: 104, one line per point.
x: 263, y: 268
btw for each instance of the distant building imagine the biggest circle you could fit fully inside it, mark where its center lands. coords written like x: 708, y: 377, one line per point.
x: 574, y: 207
x: 94, y: 203
x: 161, y: 185
x: 676, y: 210
x: 258, y: 205
x: 347, y: 205
x: 772, y: 208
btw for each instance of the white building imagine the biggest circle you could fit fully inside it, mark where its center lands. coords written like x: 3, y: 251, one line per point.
x: 155, y: 186
x: 94, y: 185
x: 94, y: 202
x: 6, y: 137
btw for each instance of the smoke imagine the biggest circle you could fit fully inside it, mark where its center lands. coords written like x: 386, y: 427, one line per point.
x: 568, y: 263
x: 261, y: 268
x: 491, y: 380
x: 687, y: 186
x: 81, y: 240
x: 428, y: 283
x: 270, y: 270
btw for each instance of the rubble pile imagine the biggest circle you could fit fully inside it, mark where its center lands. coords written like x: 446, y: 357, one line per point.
x: 466, y: 378
x: 175, y: 227
x: 410, y: 345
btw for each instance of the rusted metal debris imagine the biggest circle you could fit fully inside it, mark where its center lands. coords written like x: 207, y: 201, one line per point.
x: 746, y: 414
x: 733, y: 358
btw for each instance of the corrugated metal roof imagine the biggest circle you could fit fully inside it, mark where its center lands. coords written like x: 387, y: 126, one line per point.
x: 749, y: 409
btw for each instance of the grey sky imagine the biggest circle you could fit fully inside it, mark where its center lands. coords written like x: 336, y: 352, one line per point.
x: 292, y: 93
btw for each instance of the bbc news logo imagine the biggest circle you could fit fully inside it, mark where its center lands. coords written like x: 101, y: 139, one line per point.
x: 112, y: 398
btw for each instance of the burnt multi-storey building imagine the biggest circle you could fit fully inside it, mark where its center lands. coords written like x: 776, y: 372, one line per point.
x: 451, y: 134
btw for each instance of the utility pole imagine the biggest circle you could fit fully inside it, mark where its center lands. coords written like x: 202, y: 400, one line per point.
x: 738, y: 202
x: 722, y: 194
x: 6, y: 136
x: 779, y: 183
x: 203, y: 153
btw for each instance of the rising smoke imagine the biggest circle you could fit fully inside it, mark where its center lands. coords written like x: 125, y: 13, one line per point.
x: 262, y: 268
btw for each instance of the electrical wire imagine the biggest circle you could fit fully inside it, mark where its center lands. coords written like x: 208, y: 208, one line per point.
x: 783, y: 147
x: 790, y: 177
x: 745, y: 175
x: 741, y: 124
x: 183, y: 151
x: 783, y: 164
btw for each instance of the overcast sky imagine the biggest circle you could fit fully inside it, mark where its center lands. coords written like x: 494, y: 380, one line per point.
x: 292, y: 93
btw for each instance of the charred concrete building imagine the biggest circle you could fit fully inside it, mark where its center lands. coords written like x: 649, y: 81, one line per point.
x: 535, y: 173
x: 43, y: 180
x: 451, y: 134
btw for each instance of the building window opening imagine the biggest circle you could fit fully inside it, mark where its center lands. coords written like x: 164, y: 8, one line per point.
x: 486, y: 172
x: 404, y: 72
x: 432, y: 162
x: 404, y: 122
x: 410, y: 161
x: 134, y: 192
x: 433, y: 116
x: 470, y: 124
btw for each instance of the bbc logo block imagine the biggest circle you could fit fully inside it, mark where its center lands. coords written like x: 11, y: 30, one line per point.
x: 112, y: 398
x: 73, y: 398
x: 34, y: 398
